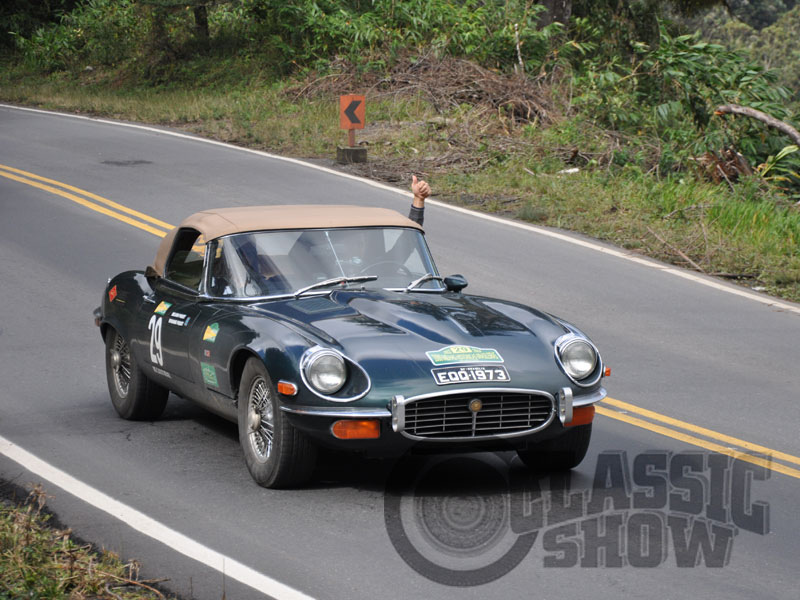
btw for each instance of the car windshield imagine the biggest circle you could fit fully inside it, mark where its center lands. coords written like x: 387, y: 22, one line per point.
x: 269, y: 263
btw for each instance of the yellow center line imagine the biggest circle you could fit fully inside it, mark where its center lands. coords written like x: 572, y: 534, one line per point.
x: 33, y: 180
x: 96, y: 207
x: 677, y: 435
x: 702, y: 431
x: 106, y: 201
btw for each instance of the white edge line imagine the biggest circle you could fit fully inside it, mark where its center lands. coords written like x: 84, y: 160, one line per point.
x: 723, y: 287
x: 150, y: 527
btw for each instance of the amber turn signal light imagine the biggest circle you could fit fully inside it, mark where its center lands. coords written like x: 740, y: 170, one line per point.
x: 369, y: 429
x: 607, y: 372
x: 286, y: 388
x: 581, y: 415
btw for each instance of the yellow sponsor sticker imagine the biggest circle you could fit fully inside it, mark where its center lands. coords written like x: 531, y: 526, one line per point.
x: 210, y: 334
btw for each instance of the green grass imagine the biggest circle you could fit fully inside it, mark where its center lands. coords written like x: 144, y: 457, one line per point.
x: 472, y: 157
x: 44, y: 562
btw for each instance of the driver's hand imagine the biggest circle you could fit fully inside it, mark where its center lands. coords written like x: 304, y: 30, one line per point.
x: 420, y: 188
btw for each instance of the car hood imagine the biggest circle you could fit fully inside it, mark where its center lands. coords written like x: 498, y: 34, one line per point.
x: 399, y: 337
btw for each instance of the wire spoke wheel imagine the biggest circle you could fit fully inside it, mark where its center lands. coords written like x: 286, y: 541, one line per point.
x: 133, y: 395
x: 276, y: 454
x: 260, y: 419
x: 121, y: 366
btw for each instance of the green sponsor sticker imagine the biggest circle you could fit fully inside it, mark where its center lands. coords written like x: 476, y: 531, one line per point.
x: 451, y: 355
x: 162, y: 308
x: 209, y: 374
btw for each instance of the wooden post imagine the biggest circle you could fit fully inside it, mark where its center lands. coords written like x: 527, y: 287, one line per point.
x: 351, y: 117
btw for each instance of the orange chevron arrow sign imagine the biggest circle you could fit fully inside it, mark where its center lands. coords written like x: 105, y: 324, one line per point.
x: 352, y: 111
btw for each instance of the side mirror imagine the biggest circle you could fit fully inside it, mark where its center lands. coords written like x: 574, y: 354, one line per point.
x: 455, y: 283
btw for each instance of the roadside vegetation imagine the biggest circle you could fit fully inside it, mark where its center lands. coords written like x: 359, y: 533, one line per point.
x: 608, y: 124
x: 42, y: 561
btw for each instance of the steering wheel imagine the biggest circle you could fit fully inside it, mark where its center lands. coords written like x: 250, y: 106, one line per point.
x: 400, y: 267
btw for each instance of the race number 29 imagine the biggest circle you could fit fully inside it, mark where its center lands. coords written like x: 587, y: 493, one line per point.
x: 156, y: 355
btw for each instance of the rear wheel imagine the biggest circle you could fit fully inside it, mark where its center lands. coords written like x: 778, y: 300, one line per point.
x: 558, y: 454
x: 133, y: 395
x: 276, y: 454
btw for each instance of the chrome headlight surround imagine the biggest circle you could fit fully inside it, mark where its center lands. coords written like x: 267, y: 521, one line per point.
x: 579, y: 359
x: 325, y: 371
x: 343, y: 378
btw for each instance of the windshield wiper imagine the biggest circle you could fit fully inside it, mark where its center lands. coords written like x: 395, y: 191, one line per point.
x: 333, y: 281
x: 418, y: 282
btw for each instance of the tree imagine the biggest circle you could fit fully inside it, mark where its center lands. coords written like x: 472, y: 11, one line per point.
x: 759, y: 13
x: 557, y: 11
x: 23, y: 17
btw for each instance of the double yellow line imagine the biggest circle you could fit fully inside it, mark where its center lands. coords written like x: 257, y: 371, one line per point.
x: 84, y: 198
x: 699, y: 436
x: 614, y: 409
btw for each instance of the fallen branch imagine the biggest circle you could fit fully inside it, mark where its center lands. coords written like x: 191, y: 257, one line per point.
x: 676, y: 250
x: 736, y: 275
x: 781, y: 126
x: 721, y: 172
x: 127, y: 581
x: 685, y: 208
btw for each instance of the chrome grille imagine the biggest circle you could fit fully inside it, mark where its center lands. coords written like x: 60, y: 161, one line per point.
x: 449, y: 416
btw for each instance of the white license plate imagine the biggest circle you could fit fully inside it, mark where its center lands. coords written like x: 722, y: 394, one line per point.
x: 448, y: 375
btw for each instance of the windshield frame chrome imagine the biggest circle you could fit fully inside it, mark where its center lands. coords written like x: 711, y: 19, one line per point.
x: 205, y: 296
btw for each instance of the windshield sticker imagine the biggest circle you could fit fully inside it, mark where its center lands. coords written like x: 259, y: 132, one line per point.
x: 451, y: 355
x: 209, y: 374
x: 112, y: 293
x: 162, y: 308
x: 211, y: 332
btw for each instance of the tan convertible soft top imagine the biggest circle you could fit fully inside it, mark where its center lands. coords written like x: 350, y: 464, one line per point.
x: 217, y: 222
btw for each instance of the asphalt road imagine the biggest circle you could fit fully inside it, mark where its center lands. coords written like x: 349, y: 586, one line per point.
x: 679, y: 345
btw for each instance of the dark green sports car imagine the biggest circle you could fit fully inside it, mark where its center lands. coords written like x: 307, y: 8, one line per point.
x: 329, y: 326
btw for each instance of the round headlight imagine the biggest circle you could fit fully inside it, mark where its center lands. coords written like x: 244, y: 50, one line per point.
x: 579, y: 358
x: 326, y: 372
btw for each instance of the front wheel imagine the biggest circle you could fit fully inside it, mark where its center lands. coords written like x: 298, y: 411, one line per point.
x: 276, y: 454
x: 133, y: 395
x: 562, y: 453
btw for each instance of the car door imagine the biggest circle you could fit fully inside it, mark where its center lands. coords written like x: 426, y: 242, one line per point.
x: 173, y: 307
x: 172, y: 311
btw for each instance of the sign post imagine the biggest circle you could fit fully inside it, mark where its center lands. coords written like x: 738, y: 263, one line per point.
x: 352, y: 113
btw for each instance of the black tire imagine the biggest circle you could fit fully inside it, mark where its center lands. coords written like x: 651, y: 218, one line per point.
x: 562, y: 453
x: 133, y: 395
x: 277, y: 455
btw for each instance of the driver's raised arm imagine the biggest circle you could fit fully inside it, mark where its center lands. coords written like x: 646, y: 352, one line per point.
x: 421, y: 190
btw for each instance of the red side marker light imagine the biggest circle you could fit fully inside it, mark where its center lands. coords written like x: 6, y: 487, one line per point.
x: 112, y: 293
x: 581, y: 415
x: 607, y: 372
x: 369, y: 429
x: 286, y: 388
